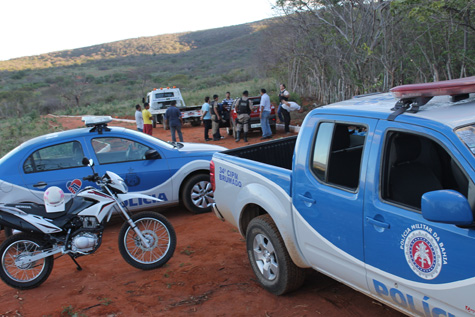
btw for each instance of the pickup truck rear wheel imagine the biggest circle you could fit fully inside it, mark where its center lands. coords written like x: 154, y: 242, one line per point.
x: 269, y: 258
x: 198, y: 194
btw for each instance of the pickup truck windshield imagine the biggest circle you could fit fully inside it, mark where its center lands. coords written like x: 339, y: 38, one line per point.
x: 467, y: 135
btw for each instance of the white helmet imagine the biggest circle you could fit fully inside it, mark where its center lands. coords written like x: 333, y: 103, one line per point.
x: 54, y: 199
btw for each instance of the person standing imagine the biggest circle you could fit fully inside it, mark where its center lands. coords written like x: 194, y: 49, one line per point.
x: 265, y: 114
x: 215, y: 119
x: 227, y: 106
x: 206, y: 117
x: 173, y: 117
x: 139, y: 118
x: 147, y: 120
x: 243, y: 109
x: 283, y: 94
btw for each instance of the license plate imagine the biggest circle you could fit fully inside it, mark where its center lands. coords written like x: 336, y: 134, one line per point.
x: 255, y: 125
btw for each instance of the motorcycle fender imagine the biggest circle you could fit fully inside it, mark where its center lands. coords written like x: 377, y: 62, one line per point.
x: 125, y: 197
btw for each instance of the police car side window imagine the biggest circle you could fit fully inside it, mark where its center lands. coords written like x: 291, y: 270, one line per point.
x: 337, y: 154
x: 117, y: 150
x: 55, y: 157
x: 413, y: 165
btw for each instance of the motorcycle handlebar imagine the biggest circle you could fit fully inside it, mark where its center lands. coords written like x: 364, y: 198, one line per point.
x: 92, y: 178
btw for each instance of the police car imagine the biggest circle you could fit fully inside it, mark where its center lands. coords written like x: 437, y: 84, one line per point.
x: 173, y: 172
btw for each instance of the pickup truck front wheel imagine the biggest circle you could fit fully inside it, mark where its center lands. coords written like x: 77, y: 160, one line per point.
x: 197, y: 194
x: 269, y: 258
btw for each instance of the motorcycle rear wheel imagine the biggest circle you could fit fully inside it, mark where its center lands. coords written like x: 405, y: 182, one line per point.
x: 25, y: 276
x: 160, y: 234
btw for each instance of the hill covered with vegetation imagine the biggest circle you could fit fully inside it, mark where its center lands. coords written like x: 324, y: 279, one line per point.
x: 325, y: 51
x: 122, y: 72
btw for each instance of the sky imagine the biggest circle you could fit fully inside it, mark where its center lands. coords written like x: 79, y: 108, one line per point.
x: 32, y: 27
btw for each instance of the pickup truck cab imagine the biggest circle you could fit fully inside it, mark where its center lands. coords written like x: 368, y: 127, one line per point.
x: 377, y: 192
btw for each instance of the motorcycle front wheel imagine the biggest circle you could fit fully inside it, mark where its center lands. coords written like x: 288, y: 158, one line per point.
x: 23, y: 276
x: 159, y: 234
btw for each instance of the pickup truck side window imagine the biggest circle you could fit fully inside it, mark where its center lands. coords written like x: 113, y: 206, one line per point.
x: 467, y: 135
x: 116, y: 150
x: 337, y: 154
x: 413, y: 165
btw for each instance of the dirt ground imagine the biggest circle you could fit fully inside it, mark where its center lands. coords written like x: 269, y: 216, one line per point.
x: 209, y: 274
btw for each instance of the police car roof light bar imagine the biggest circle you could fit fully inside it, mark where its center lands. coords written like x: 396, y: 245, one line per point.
x: 414, y: 96
x: 98, y: 124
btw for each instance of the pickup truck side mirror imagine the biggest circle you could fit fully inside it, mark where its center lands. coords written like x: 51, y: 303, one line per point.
x: 152, y: 155
x: 446, y: 206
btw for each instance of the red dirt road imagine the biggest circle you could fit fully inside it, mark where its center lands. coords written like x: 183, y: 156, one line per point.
x: 209, y: 275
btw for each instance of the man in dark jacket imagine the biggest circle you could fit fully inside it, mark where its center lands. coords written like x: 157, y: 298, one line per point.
x: 243, y: 109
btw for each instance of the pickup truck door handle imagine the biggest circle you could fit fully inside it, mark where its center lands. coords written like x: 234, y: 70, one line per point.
x: 377, y: 223
x: 306, y: 199
x: 40, y: 184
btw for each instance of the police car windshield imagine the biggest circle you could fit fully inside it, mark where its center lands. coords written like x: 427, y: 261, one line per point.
x: 467, y: 135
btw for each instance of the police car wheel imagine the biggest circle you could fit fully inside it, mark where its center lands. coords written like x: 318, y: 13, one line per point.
x: 269, y: 258
x: 197, y: 194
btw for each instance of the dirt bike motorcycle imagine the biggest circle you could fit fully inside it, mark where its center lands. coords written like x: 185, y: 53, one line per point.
x: 147, y: 240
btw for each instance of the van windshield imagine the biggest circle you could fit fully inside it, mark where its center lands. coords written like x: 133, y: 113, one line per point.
x: 467, y: 135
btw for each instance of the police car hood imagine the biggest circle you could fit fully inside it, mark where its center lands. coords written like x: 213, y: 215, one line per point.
x: 200, y: 149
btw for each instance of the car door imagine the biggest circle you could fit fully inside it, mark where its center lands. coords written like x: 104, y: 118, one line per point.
x: 423, y: 267
x: 327, y: 195
x: 125, y: 156
x: 58, y: 164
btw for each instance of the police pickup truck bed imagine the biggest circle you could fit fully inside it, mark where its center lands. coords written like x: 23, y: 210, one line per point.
x: 377, y: 192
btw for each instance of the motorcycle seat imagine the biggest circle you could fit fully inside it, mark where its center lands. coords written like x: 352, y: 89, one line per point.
x: 40, y: 210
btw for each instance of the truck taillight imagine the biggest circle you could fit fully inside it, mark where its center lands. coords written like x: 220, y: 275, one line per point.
x: 211, y: 175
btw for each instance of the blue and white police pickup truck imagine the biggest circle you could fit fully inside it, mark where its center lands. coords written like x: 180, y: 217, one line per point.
x: 377, y: 192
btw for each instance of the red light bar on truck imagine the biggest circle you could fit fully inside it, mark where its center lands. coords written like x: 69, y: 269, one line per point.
x: 440, y: 88
x: 414, y: 96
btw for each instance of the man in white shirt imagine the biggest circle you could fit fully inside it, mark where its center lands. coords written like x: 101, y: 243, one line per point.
x: 265, y: 114
x: 139, y: 118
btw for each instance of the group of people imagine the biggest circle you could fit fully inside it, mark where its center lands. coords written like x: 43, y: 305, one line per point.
x: 213, y: 113
x: 144, y: 118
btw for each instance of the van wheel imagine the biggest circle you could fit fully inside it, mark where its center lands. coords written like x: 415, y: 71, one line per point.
x: 269, y: 258
x: 198, y: 194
